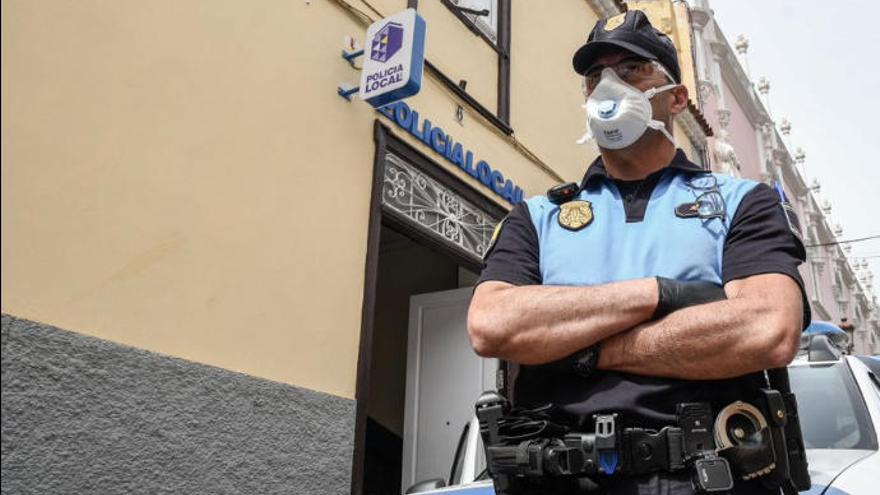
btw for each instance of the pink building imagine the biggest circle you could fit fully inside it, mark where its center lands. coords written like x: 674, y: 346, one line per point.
x: 747, y: 142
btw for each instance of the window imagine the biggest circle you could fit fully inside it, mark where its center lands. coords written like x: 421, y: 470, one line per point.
x: 485, y: 24
x: 832, y: 412
x: 815, y: 270
x: 489, y: 20
x: 873, y: 365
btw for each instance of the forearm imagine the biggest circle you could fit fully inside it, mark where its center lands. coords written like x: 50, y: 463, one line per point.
x: 711, y: 341
x: 539, y: 324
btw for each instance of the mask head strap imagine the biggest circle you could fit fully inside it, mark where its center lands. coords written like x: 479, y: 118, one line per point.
x: 656, y: 124
x: 660, y: 126
x: 650, y: 92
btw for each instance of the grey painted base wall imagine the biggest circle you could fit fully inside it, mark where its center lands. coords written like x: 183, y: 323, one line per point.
x: 83, y: 415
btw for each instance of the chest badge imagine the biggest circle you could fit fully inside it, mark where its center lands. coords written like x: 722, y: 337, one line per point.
x: 575, y: 215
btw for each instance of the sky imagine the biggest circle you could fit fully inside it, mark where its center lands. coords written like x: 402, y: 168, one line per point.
x: 821, y: 59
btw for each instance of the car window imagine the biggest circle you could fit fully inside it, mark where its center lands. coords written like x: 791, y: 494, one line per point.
x: 458, y: 459
x: 455, y: 475
x: 832, y: 412
x: 873, y: 364
x: 875, y: 381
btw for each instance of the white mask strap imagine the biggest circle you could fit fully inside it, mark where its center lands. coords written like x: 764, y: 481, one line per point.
x: 588, y: 136
x: 653, y: 91
x: 660, y: 126
x: 656, y: 124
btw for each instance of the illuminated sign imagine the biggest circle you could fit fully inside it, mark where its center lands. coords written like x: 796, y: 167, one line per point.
x: 395, y: 57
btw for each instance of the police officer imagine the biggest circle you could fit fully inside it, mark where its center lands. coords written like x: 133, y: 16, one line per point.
x: 601, y: 278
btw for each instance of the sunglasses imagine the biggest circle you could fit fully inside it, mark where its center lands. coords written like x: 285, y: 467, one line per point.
x: 631, y: 70
x: 709, y: 203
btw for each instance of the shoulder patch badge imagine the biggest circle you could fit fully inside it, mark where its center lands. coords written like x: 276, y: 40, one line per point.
x: 794, y: 225
x: 494, y: 238
x: 575, y: 215
x: 614, y: 22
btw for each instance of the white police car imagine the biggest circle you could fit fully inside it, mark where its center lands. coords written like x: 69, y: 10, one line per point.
x: 468, y: 476
x: 838, y: 403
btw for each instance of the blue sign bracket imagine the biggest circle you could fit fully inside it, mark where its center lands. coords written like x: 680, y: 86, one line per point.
x: 347, y: 92
x: 351, y: 56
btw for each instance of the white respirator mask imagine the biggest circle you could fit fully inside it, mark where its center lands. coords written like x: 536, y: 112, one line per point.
x: 618, y: 114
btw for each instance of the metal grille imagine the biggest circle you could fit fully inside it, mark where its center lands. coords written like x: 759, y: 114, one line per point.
x: 435, y: 208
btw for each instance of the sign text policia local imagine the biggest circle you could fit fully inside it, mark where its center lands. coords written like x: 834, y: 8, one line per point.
x: 445, y: 145
x: 394, y: 58
x: 393, y: 65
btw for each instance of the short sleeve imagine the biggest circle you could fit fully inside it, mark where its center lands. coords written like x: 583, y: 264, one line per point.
x: 512, y: 256
x: 764, y: 237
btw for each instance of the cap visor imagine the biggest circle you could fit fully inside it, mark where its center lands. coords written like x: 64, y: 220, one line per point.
x: 585, y: 57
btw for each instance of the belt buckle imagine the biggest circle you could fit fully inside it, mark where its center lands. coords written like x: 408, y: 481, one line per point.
x: 650, y: 451
x: 606, y: 442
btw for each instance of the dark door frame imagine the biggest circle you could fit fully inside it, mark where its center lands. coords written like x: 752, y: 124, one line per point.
x: 386, y: 141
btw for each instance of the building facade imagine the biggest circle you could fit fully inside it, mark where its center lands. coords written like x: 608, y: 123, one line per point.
x: 750, y: 142
x: 220, y: 275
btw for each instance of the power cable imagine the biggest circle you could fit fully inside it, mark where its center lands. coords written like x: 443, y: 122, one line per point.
x: 849, y: 241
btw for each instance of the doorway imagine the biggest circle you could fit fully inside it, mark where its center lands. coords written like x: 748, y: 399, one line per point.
x: 406, y: 271
x: 417, y: 375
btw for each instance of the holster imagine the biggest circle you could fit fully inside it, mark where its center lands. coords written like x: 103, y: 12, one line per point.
x: 792, y: 436
x: 775, y: 454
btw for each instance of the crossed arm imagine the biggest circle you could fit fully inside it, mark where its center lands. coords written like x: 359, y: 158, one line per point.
x: 757, y: 327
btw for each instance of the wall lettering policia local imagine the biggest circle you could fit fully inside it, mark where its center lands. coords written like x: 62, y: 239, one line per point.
x: 444, y: 145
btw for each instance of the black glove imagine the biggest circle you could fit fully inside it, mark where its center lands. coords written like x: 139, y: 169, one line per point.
x: 675, y: 295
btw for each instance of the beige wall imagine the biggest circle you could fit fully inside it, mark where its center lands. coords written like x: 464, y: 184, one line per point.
x: 460, y: 54
x: 161, y: 161
x: 683, y: 141
x: 546, y: 94
x: 683, y: 38
x: 673, y: 20
x: 164, y: 167
x: 158, y: 162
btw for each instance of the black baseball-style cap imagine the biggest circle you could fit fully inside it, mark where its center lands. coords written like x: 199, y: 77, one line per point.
x: 631, y: 31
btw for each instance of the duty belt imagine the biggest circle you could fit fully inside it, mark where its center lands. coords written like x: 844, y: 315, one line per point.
x: 608, y: 450
x: 527, y: 445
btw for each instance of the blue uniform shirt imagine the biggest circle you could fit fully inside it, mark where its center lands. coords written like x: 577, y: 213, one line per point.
x: 635, y: 233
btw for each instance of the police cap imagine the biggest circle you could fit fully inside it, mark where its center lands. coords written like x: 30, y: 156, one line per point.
x: 631, y: 31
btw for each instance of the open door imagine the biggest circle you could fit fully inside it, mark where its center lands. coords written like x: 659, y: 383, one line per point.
x: 444, y: 377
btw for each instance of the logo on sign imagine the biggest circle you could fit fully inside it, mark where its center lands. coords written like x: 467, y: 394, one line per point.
x: 387, y: 42
x: 394, y: 58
